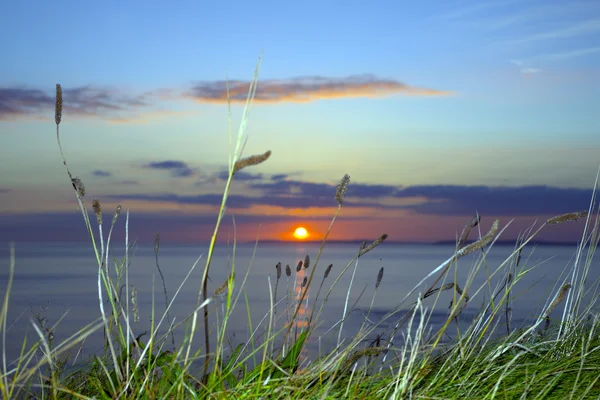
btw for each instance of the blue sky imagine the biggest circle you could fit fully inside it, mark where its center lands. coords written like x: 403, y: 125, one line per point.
x: 436, y: 109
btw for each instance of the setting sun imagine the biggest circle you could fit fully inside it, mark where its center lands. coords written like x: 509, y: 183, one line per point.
x: 300, y: 233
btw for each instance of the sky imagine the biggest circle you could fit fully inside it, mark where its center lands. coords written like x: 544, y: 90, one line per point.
x: 437, y: 110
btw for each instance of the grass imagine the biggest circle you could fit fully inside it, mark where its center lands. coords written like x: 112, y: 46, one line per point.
x: 414, y: 359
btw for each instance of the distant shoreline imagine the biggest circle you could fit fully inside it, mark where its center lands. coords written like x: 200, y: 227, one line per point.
x: 436, y: 243
x: 315, y: 242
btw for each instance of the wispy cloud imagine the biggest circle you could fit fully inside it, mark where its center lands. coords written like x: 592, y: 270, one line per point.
x: 474, y: 9
x: 307, y: 89
x: 129, y: 182
x: 178, y: 169
x: 149, y: 116
x: 577, y: 29
x: 568, y: 54
x: 101, y: 173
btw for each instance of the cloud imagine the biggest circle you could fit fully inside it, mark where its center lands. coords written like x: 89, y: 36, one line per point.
x: 80, y: 101
x: 150, y: 116
x: 530, y: 71
x: 101, y: 173
x: 236, y: 201
x: 440, y: 200
x: 178, y: 169
x: 580, y: 28
x: 128, y: 182
x: 524, y: 69
x: 497, y: 201
x: 118, y: 107
x: 307, y: 89
x: 568, y: 54
x: 240, y: 176
x: 4, y: 190
x: 325, y: 190
x: 174, y: 228
x: 279, y: 177
x: 473, y: 9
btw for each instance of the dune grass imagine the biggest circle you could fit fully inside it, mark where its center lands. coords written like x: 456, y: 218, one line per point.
x: 415, y: 359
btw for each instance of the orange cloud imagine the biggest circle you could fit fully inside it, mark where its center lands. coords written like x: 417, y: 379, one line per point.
x: 146, y: 117
x: 307, y: 89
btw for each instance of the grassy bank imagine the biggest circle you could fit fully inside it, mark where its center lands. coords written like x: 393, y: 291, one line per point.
x: 414, y: 358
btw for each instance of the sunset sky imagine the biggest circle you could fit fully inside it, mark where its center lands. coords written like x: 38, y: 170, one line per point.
x: 436, y: 109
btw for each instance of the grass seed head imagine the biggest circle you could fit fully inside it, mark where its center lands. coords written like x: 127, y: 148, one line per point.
x: 306, y: 262
x: 299, y: 266
x: 327, y: 271
x: 569, y: 217
x: 59, y: 105
x: 379, y: 278
x: 134, y: 304
x: 157, y: 242
x: 278, y: 268
x: 474, y: 221
x: 358, y: 354
x: 117, y: 212
x: 97, y: 210
x: 481, y: 242
x: 341, y: 189
x: 221, y: 289
x: 288, y: 270
x: 376, y: 243
x: 304, y: 281
x: 249, y: 161
x: 561, y: 296
x: 78, y: 186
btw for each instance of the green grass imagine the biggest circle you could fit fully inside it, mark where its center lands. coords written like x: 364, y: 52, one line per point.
x: 551, y: 358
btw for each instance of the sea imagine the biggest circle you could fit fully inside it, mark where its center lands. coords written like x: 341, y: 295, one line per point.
x: 55, y: 287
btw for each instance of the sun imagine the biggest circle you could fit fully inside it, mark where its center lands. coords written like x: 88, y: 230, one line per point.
x: 300, y: 233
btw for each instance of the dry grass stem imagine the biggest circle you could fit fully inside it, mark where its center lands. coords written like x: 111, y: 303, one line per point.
x: 569, y: 217
x: 373, y: 245
x: 251, y: 160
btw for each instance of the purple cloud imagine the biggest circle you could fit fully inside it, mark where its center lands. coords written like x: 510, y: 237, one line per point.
x: 240, y: 176
x: 82, y: 101
x: 450, y: 200
x: 178, y: 169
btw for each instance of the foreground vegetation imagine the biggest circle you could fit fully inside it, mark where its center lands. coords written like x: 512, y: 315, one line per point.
x: 491, y: 359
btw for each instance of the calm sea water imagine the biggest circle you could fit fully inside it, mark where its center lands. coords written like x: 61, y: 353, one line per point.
x: 52, y: 280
